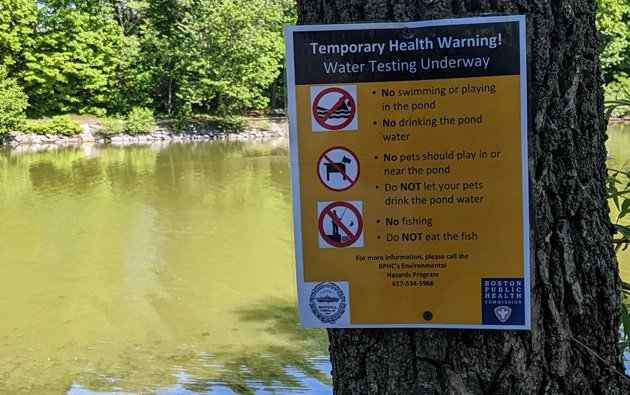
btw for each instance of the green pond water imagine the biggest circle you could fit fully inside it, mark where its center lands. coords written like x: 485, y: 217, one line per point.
x: 159, y: 270
x: 152, y: 270
x: 618, y: 146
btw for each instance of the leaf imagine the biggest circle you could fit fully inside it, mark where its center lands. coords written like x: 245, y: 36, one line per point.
x: 624, y: 230
x: 625, y: 209
x: 615, y: 198
x: 612, y: 180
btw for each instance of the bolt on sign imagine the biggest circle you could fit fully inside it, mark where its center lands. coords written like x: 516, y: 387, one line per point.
x: 409, y: 173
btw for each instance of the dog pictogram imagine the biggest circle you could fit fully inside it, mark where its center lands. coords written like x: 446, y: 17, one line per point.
x: 338, y: 168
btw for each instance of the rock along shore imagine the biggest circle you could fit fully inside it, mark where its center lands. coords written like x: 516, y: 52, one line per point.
x: 277, y: 128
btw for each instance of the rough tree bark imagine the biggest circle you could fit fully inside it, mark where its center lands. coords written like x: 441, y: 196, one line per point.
x: 572, y: 347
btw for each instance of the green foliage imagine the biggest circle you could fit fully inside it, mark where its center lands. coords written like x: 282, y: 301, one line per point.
x: 232, y: 123
x: 247, y: 47
x: 618, y: 96
x: 59, y: 124
x: 218, y: 55
x: 618, y: 184
x: 180, y: 124
x: 99, y: 57
x: 132, y: 78
x: 612, y: 28
x: 182, y: 118
x: 13, y: 103
x: 31, y: 126
x: 111, y: 126
x: 72, y: 64
x: 618, y: 189
x: 139, y: 121
x: 17, y: 31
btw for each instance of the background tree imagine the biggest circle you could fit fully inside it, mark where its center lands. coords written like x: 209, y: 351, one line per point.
x: 72, y: 65
x: 13, y: 103
x: 613, y: 26
x: 17, y: 27
x: 613, y: 18
x: 216, y: 55
x: 132, y: 85
x: 572, y: 347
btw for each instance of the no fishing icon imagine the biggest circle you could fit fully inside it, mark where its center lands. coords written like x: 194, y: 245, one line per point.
x: 334, y: 108
x: 340, y: 224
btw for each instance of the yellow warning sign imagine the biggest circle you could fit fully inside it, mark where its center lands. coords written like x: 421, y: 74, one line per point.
x: 409, y: 167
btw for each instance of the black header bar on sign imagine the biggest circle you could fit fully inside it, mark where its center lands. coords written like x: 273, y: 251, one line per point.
x: 433, y: 52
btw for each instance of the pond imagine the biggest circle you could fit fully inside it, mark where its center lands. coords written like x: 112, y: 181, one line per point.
x: 152, y: 269
x: 618, y: 146
x: 163, y: 269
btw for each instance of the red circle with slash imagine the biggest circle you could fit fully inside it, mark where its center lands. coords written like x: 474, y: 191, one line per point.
x: 352, y: 237
x: 341, y: 168
x: 322, y: 121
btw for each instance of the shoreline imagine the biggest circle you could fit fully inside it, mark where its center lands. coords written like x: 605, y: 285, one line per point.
x: 278, y: 128
x: 617, y: 120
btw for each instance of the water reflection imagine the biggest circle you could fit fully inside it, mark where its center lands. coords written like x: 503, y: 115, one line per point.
x: 147, y: 269
x: 278, y: 367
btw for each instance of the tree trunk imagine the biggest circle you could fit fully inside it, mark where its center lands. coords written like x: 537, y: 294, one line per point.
x: 273, y: 94
x: 572, y: 347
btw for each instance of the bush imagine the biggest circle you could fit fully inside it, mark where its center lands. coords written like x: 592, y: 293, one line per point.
x: 182, y: 118
x: 180, y: 124
x: 59, y: 124
x: 232, y: 123
x: 35, y: 127
x: 139, y: 121
x: 617, y: 94
x: 112, y: 126
x: 13, y: 103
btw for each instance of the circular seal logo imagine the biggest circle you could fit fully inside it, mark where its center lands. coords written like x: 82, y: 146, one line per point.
x: 327, y: 302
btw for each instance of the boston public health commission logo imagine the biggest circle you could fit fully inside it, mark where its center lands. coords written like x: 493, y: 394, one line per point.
x: 327, y: 302
x: 502, y: 301
x: 503, y: 313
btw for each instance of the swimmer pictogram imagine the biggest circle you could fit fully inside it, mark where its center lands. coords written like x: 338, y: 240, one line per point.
x: 334, y: 108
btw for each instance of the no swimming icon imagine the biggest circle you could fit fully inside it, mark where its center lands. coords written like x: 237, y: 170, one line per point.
x: 334, y: 108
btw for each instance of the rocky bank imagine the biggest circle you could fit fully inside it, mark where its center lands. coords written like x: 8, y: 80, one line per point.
x: 274, y: 128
